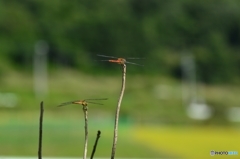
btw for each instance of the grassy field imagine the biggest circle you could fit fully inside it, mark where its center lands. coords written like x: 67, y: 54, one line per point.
x: 148, y: 100
x: 63, y: 135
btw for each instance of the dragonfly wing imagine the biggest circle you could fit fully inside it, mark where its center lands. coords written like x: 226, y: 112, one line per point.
x: 64, y: 104
x: 135, y: 58
x: 101, y: 60
x: 95, y: 103
x: 67, y: 103
x: 97, y: 99
x: 106, y: 56
x: 133, y: 63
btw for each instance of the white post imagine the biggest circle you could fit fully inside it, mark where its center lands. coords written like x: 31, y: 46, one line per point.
x: 40, y: 69
x: 189, y: 88
x: 196, y: 105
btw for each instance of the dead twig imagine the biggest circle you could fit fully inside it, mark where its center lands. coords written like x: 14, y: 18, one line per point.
x: 95, y: 145
x: 115, y: 136
x: 85, y: 108
x: 40, y: 131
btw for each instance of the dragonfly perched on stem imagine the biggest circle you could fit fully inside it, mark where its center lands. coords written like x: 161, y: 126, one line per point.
x: 119, y: 60
x: 82, y: 102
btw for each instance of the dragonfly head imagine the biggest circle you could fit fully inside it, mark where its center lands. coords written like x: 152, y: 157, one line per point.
x: 121, y: 60
x: 84, y: 103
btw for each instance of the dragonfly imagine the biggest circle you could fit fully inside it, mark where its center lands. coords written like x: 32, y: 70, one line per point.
x: 119, y: 60
x: 83, y: 102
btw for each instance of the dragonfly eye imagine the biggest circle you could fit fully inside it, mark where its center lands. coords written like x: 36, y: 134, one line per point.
x: 123, y: 60
x: 84, y: 103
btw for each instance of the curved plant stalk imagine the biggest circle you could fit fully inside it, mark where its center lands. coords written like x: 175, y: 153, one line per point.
x: 115, y: 137
x: 85, y: 108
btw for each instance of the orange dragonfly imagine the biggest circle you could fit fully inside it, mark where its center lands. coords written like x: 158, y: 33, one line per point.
x: 82, y: 102
x: 120, y: 60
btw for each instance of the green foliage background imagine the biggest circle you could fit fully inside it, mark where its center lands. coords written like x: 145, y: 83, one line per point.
x: 158, y: 30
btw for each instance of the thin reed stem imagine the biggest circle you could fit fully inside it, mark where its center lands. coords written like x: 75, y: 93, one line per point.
x: 95, y: 145
x: 85, y: 108
x: 115, y: 136
x: 40, y: 131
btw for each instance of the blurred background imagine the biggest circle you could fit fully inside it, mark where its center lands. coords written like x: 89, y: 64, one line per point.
x: 183, y: 103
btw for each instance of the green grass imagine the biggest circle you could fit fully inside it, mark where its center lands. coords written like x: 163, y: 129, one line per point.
x: 63, y: 135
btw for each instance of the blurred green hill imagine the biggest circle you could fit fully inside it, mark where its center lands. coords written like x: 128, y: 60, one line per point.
x: 158, y: 30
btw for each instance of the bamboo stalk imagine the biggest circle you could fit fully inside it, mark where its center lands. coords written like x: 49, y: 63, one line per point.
x: 115, y: 136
